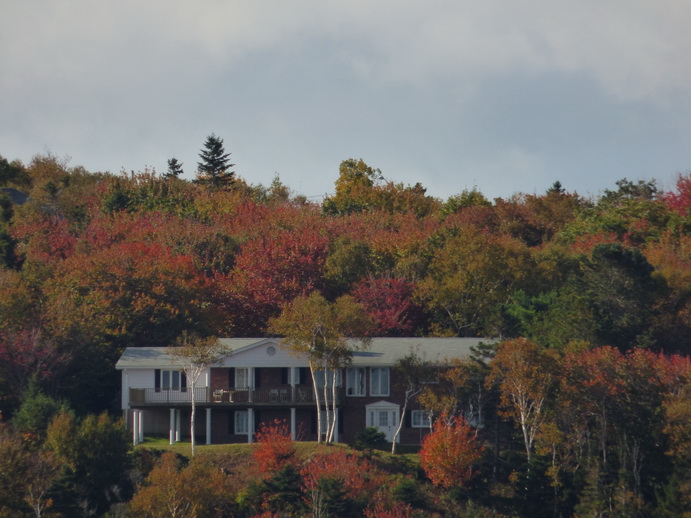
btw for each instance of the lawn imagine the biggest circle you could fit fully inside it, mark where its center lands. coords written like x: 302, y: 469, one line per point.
x: 303, y: 449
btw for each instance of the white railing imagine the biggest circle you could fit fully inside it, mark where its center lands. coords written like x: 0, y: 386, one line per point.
x: 277, y: 396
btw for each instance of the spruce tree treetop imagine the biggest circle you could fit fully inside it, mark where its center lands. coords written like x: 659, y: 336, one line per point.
x: 215, y: 164
x: 174, y: 169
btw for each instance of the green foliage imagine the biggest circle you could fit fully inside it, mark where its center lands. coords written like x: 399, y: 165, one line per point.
x: 370, y: 439
x: 117, y: 199
x: 467, y: 198
x: 174, y: 169
x: 12, y: 173
x: 95, y: 452
x: 280, y: 494
x: 622, y: 293
x: 353, y: 188
x: 347, y: 262
x: 215, y: 164
x: 36, y: 410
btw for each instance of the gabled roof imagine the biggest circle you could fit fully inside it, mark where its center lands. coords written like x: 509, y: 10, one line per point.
x: 387, y: 351
x: 382, y: 352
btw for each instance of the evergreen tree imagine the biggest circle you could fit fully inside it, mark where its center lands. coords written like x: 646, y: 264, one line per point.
x: 215, y: 164
x: 174, y: 169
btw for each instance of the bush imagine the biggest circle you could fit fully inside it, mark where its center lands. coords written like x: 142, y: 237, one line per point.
x: 370, y: 439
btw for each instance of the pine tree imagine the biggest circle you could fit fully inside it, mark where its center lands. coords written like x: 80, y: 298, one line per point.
x: 214, y: 167
x: 174, y: 169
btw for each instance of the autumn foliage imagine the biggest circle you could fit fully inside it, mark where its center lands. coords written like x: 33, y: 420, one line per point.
x: 274, y: 448
x: 448, y: 453
x: 591, y: 294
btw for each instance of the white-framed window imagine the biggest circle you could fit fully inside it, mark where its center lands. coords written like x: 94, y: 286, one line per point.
x: 171, y: 379
x: 319, y: 377
x: 242, y: 377
x: 241, y: 422
x: 383, y: 418
x: 355, y: 381
x: 379, y: 381
x: 419, y: 419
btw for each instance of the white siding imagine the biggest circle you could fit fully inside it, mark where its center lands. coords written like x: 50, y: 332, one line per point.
x: 259, y: 357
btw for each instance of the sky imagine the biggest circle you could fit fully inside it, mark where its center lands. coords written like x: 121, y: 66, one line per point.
x: 504, y: 96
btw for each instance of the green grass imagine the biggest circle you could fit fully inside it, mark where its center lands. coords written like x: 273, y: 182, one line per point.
x: 303, y: 449
x: 184, y: 448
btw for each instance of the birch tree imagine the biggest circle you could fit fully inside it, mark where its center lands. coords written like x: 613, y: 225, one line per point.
x: 319, y: 330
x: 414, y: 371
x: 194, y: 355
x: 526, y: 375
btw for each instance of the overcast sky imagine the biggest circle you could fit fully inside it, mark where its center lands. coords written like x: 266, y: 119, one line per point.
x: 506, y: 96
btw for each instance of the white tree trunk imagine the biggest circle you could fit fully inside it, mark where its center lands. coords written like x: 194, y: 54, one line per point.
x: 318, y: 403
x: 400, y: 421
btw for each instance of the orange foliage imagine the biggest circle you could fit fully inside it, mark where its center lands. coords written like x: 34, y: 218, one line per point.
x: 448, y: 453
x: 274, y: 447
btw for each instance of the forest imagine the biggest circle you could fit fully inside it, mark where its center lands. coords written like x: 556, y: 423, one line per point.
x: 583, y: 408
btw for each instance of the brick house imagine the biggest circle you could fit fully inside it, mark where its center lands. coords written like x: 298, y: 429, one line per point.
x: 259, y: 381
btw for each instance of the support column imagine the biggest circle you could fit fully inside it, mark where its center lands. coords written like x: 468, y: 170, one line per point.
x: 208, y: 425
x: 141, y: 425
x: 135, y: 427
x: 250, y: 425
x: 250, y: 384
x: 294, y: 373
x: 292, y: 424
x: 171, y: 428
x: 178, y: 418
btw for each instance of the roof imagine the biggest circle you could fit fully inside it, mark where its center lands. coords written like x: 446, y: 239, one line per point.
x: 381, y: 351
x: 387, y: 351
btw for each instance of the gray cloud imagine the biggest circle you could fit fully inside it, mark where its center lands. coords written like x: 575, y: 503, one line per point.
x: 507, y: 96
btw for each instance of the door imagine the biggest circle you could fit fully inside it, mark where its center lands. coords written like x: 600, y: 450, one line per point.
x: 385, y: 420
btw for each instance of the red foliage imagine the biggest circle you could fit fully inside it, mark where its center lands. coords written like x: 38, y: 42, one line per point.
x: 28, y: 353
x: 271, y: 271
x: 680, y: 201
x: 389, y: 302
x: 47, y: 240
x: 448, y: 453
x: 274, y: 447
x: 585, y: 244
x: 131, y: 289
x: 358, y: 477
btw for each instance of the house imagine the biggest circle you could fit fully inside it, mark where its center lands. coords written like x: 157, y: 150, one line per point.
x: 260, y: 381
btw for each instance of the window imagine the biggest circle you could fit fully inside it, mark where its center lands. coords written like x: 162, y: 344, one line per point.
x: 319, y: 376
x: 170, y: 380
x: 379, y: 381
x: 355, y: 382
x: 383, y: 419
x: 242, y: 378
x: 241, y: 422
x: 419, y: 419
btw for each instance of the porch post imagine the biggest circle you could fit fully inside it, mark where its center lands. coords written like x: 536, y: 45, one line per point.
x: 294, y: 373
x: 141, y: 425
x: 250, y: 384
x: 208, y: 425
x: 171, y: 428
x: 250, y: 425
x: 135, y: 428
x: 178, y: 415
x: 292, y: 424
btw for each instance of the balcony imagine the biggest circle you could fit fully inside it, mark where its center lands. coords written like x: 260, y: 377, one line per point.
x: 290, y: 396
